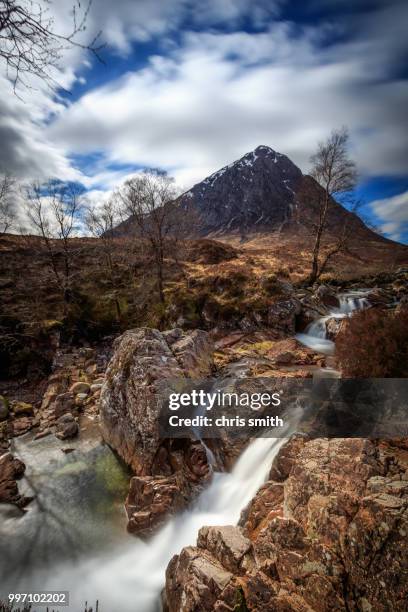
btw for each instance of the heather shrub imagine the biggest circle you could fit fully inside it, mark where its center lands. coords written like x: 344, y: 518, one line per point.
x: 374, y: 344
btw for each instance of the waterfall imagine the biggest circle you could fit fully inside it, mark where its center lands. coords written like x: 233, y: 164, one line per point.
x: 131, y: 576
x: 315, y: 335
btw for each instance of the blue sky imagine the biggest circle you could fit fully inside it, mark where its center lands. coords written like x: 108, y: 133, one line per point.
x: 191, y: 86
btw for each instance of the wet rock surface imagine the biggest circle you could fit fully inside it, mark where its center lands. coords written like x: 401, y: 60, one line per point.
x: 167, y: 472
x: 329, y: 531
x: 11, y: 469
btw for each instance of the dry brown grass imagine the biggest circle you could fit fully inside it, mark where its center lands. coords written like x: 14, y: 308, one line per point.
x: 230, y: 282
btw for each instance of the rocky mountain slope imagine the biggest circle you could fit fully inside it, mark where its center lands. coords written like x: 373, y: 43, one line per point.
x: 264, y: 191
x: 255, y: 192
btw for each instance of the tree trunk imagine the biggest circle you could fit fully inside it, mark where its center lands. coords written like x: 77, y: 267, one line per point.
x: 314, y: 274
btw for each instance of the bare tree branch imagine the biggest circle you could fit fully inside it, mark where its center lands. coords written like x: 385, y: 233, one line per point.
x: 335, y: 172
x: 149, y: 200
x: 54, y: 210
x: 8, y: 215
x: 101, y: 222
x: 30, y: 45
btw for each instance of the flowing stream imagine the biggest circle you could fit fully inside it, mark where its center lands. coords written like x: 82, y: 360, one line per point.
x: 129, y: 575
x: 315, y: 335
x: 73, y: 537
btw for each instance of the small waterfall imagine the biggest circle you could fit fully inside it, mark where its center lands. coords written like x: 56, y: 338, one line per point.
x: 354, y: 300
x: 315, y: 335
x: 317, y: 328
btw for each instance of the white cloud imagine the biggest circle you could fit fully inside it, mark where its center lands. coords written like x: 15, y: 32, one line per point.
x: 213, y: 96
x: 220, y: 95
x: 393, y: 213
x: 25, y: 149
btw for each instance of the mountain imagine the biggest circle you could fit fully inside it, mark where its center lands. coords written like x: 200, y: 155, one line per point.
x: 264, y: 191
x: 255, y: 192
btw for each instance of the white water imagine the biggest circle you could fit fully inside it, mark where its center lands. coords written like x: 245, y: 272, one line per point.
x: 315, y: 335
x: 131, y: 577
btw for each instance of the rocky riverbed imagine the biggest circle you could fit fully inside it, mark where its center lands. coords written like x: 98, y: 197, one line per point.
x: 326, y: 531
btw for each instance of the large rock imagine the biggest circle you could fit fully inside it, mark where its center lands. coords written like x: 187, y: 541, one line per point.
x: 333, y: 327
x: 152, y: 498
x: 144, y: 362
x: 331, y: 535
x: 22, y: 409
x: 282, y: 315
x: 167, y: 471
x: 194, y: 580
x: 80, y: 387
x: 327, y: 296
x: 11, y: 469
x: 67, y: 427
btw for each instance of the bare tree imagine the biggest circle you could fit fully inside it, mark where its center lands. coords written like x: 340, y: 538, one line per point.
x: 30, y: 44
x: 343, y: 239
x: 101, y: 222
x: 149, y: 200
x: 336, y: 174
x: 54, y: 211
x: 7, y: 207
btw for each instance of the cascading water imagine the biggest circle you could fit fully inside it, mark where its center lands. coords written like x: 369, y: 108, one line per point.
x: 315, y: 336
x: 130, y: 577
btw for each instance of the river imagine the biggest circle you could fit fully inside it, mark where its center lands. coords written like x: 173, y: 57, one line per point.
x: 73, y: 536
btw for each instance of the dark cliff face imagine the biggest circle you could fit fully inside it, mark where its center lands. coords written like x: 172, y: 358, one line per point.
x: 253, y: 193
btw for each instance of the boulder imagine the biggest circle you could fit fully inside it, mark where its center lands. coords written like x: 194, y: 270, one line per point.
x: 228, y: 545
x: 151, y: 499
x: 331, y: 535
x: 380, y: 297
x: 64, y: 403
x: 11, y: 469
x: 285, y: 358
x: 327, y: 296
x: 333, y: 326
x: 282, y: 315
x: 168, y: 473
x: 21, y: 425
x: 194, y: 581
x: 67, y: 427
x: 136, y: 376
x: 80, y: 387
x: 22, y: 408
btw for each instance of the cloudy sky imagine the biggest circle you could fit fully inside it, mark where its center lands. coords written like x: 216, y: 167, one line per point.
x: 190, y: 86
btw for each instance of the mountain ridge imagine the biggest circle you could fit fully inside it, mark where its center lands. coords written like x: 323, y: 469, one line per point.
x: 263, y: 192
